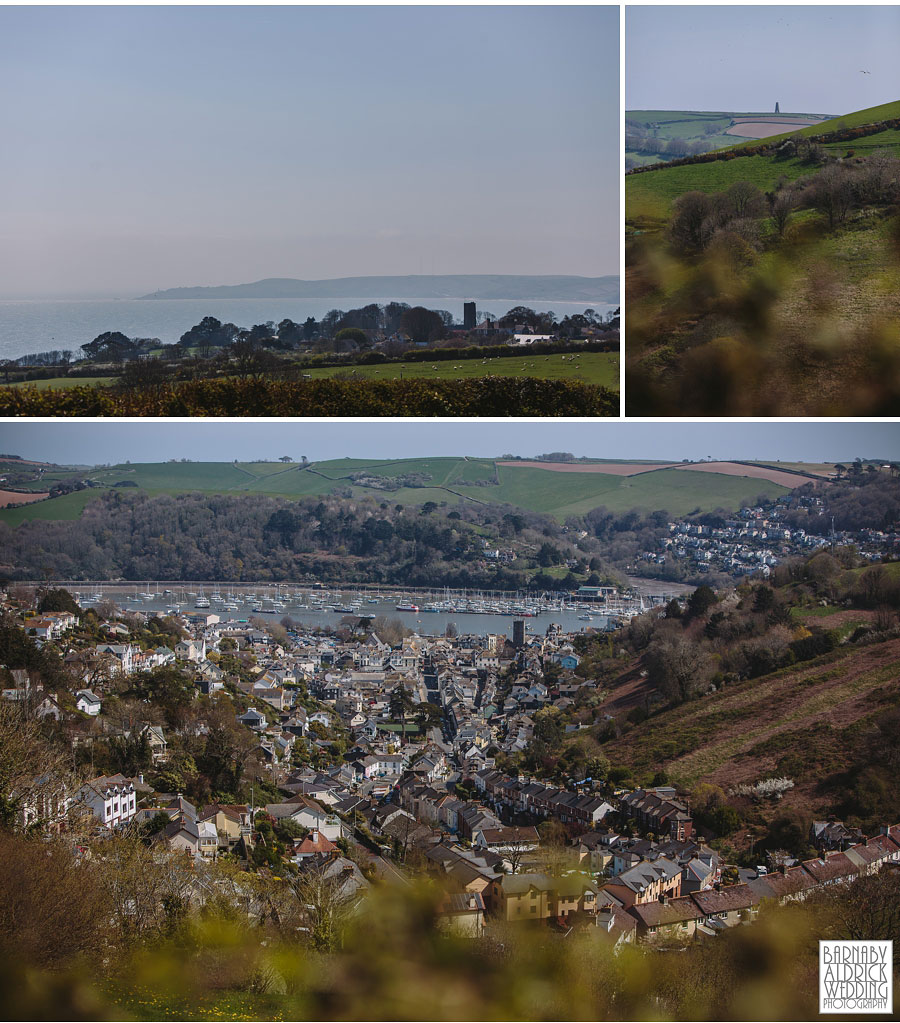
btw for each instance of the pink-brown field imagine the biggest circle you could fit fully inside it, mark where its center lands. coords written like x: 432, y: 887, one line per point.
x: 756, y: 472
x: 759, y: 472
x: 17, y: 497
x: 611, y: 469
x: 763, y: 129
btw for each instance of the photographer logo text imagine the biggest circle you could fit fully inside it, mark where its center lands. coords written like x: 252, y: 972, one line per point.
x: 856, y: 976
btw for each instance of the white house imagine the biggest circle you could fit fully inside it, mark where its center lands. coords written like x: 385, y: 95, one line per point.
x: 88, y: 702
x: 111, y: 799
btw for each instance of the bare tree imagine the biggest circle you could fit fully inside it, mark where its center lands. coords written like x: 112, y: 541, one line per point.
x: 323, y: 902
x: 782, y: 206
x: 35, y: 773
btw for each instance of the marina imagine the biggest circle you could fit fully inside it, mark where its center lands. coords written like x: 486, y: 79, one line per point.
x: 424, y: 612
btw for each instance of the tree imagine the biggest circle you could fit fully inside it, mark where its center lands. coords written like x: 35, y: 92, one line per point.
x: 132, y: 752
x: 833, y: 194
x: 57, y: 600
x: 700, y: 601
x: 323, y: 904
x: 677, y: 667
x: 209, y: 333
x: 743, y: 199
x: 399, y: 704
x: 112, y: 345
x: 689, y: 214
x: 782, y: 205
x: 34, y: 772
x: 422, y: 325
x: 285, y: 458
x: 354, y: 334
x: 516, y: 847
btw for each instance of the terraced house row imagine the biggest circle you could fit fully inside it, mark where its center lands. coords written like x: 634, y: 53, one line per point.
x: 707, y: 911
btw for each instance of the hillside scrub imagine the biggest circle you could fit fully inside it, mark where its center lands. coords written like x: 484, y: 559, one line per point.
x: 771, y: 303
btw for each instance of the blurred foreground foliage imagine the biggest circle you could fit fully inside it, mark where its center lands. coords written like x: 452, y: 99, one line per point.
x: 64, y: 956
x: 483, y: 396
x: 789, y: 312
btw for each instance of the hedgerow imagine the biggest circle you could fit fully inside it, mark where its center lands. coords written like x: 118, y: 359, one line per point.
x: 483, y: 396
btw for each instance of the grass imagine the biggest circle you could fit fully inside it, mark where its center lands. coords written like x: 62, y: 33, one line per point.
x: 592, y: 367
x: 63, y: 383
x: 674, y: 490
x: 649, y: 196
x: 813, y: 467
x: 69, y: 506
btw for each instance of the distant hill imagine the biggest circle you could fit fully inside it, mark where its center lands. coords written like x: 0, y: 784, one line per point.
x: 474, y: 287
x: 555, y: 489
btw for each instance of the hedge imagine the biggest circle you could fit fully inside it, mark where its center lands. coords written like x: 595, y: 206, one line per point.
x: 483, y: 396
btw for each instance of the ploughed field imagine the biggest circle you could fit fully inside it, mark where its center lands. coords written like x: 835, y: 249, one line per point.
x: 763, y: 128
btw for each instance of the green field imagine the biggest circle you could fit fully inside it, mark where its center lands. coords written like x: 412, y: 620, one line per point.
x: 649, y: 196
x: 58, y: 383
x: 541, y: 490
x: 601, y: 368
x: 69, y: 506
x: 592, y: 367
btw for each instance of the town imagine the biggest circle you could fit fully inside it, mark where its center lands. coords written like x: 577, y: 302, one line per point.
x: 373, y: 759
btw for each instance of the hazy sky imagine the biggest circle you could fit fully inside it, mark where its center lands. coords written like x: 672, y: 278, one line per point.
x: 808, y: 59
x: 93, y: 443
x: 151, y: 147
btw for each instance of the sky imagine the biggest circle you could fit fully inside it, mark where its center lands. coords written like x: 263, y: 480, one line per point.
x: 153, y: 147
x: 93, y: 443
x: 741, y: 58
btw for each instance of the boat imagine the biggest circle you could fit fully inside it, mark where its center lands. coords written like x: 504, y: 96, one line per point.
x: 407, y: 607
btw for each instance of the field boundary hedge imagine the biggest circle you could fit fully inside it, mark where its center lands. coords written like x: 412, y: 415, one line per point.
x: 769, y: 149
x: 482, y: 396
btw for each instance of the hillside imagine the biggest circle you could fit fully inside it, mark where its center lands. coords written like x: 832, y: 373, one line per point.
x: 772, y: 680
x: 550, y: 288
x: 557, y: 489
x: 765, y: 280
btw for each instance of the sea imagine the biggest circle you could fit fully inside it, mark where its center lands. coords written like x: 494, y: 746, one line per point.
x: 28, y: 327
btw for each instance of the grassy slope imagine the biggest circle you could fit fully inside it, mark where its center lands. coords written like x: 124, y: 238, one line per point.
x: 542, y: 490
x: 70, y: 506
x: 649, y: 196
